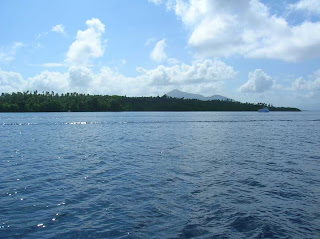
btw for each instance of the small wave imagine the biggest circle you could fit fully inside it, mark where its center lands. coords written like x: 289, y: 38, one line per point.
x: 285, y: 194
x: 244, y: 223
x: 201, y: 121
x: 151, y: 122
x: 83, y: 122
x: 18, y: 123
x: 252, y: 183
x: 193, y: 230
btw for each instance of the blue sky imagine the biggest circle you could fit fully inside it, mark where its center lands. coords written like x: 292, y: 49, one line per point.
x: 248, y: 50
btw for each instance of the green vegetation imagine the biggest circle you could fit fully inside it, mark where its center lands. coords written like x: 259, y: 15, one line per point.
x: 51, y: 102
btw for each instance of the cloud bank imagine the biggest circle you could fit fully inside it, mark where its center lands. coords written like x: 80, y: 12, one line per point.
x: 200, y: 76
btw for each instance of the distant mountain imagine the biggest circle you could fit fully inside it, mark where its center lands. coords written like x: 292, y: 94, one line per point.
x: 180, y: 94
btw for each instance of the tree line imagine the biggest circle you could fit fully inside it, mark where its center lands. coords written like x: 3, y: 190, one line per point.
x: 75, y: 102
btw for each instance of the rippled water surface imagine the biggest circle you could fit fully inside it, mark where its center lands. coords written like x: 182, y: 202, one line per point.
x: 160, y: 175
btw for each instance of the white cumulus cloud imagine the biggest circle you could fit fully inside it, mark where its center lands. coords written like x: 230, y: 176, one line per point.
x: 52, y: 64
x: 173, y: 61
x: 258, y: 82
x: 220, y: 28
x: 80, y: 77
x: 204, y: 77
x: 308, y: 87
x: 8, y: 53
x: 58, y: 28
x: 198, y: 72
x: 48, y: 81
x: 312, y: 6
x: 88, y: 44
x: 11, y: 82
x: 158, y: 54
x: 157, y: 2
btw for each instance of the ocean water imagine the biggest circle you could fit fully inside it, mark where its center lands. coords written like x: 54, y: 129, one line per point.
x: 160, y: 175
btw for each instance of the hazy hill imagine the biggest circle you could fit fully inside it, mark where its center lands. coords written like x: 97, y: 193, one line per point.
x: 180, y: 94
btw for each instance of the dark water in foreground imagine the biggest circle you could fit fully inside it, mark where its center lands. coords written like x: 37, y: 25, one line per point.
x: 160, y: 175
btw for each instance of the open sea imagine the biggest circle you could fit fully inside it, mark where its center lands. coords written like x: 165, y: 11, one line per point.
x: 160, y: 175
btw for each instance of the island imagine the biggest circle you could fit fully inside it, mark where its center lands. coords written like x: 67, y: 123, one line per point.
x: 75, y: 102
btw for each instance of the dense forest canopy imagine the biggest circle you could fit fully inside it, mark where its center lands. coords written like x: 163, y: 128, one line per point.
x: 51, y: 102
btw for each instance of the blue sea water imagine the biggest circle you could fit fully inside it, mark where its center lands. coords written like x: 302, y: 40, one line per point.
x: 160, y: 175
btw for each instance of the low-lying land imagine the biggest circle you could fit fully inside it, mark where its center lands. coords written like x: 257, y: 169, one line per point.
x: 51, y: 102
